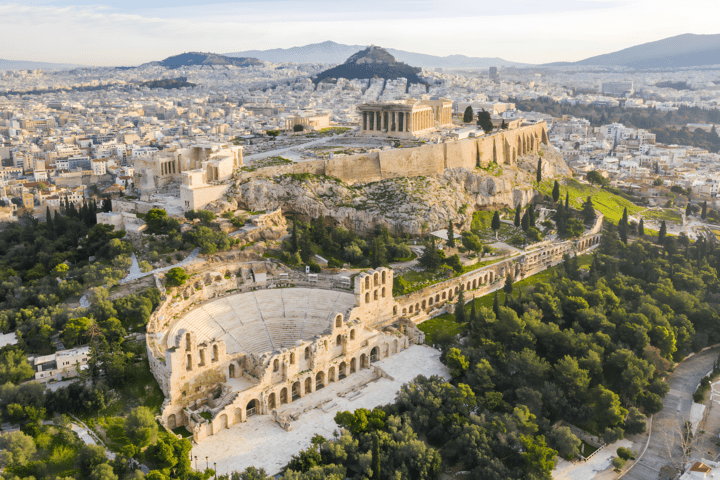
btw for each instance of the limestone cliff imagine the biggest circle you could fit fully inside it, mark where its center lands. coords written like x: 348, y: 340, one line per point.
x: 406, y: 204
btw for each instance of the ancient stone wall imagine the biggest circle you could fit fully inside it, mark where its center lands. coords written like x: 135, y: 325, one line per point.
x: 503, y: 147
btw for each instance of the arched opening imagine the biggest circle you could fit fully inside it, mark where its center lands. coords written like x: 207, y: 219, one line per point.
x: 283, y: 396
x: 251, y: 408
x: 437, y: 298
x: 187, y: 342
x: 410, y: 309
x: 338, y: 321
x: 430, y: 301
x: 272, y: 403
x: 223, y: 421
x: 341, y: 370
x: 383, y: 278
x: 296, y: 391
x: 443, y: 296
x: 292, y: 358
x: 215, y: 353
x: 474, y: 284
x: 189, y: 362
x: 308, y: 385
x: 375, y: 279
x: 307, y: 352
x: 395, y: 346
x: 331, y: 374
x: 172, y: 423
x: 375, y: 295
x: 231, y: 371
x: 352, y: 366
x: 319, y: 381
x: 417, y: 307
x: 423, y: 304
x: 338, y: 341
x: 238, y: 415
x: 367, y: 297
x: 276, y: 365
x: 363, y: 361
x: 405, y: 311
x: 450, y: 294
x: 367, y: 283
x: 374, y: 354
x: 395, y: 310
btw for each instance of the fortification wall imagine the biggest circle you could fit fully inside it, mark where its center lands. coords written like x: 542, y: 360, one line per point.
x: 502, y: 147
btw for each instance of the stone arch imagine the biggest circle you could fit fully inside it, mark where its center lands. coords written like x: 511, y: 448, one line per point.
x: 331, y: 375
x: 417, y: 307
x: 395, y: 309
x: 444, y: 295
x: 215, y: 353
x: 382, y: 293
x: 437, y: 298
x: 430, y: 302
x: 238, y: 415
x: 252, y: 408
x: 353, y: 365
x: 231, y: 370
x: 342, y: 369
x: 276, y: 365
x: 423, y: 304
x: 395, y: 346
x: 223, y: 421
x: 367, y: 283
x: 296, y: 391
x: 319, y: 380
x: 363, y: 361
x: 283, y: 396
x: 272, y: 401
x: 457, y: 289
x: 308, y: 385
x: 383, y: 278
x: 292, y: 358
x: 474, y: 285
x: 307, y: 352
x: 171, y: 421
x: 352, y: 334
x: 468, y: 286
x: 450, y: 294
x: 375, y: 354
x: 367, y: 297
x: 375, y: 280
x: 338, y: 321
x: 375, y: 295
x: 338, y: 340
x: 404, y: 311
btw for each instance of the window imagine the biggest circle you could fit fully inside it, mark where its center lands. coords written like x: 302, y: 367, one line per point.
x: 276, y: 365
x: 352, y: 334
x: 338, y: 341
x: 292, y: 358
x: 307, y: 352
x: 338, y: 321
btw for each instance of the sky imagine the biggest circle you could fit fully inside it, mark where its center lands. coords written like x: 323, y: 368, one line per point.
x: 97, y: 32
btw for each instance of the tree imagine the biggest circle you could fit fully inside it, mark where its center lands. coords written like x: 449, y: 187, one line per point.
x: 431, y: 258
x: 567, y: 201
x: 18, y: 448
x: 517, y: 216
x: 375, y: 439
x: 176, y: 276
x: 456, y: 362
x: 495, y: 224
x: 90, y: 457
x: 294, y: 244
x: 662, y: 233
x: 508, y: 288
x: 451, y: 234
x: 623, y: 227
x: 525, y: 222
x: 688, y: 212
x: 298, y: 128
x: 102, y: 472
x: 703, y: 215
x: 503, y: 125
x: 595, y: 177
x: 531, y: 215
x: 635, y: 422
x: 537, y: 456
x: 485, y: 121
x: 140, y: 427
x: 564, y: 441
x: 556, y: 192
x: 588, y: 211
x: 468, y: 114
x: 539, y: 171
x: 460, y: 308
x: 641, y: 228
x: 14, y: 366
x: 496, y: 304
x: 379, y: 252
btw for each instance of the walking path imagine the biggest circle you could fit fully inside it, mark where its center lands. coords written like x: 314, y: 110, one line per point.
x: 136, y: 273
x: 279, y: 151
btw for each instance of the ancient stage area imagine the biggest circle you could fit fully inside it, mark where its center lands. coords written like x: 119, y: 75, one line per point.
x: 262, y: 443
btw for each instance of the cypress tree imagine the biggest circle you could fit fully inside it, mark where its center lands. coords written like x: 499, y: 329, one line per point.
x: 508, y: 288
x: 460, y: 308
x: 641, y: 228
x: 496, y: 305
x: 49, y: 221
x: 375, y: 457
x: 468, y: 114
x: 561, y: 229
x: 525, y: 222
x: 687, y: 210
x: 556, y: 192
x: 703, y: 215
x: 662, y: 233
x: 539, y: 170
x: 517, y: 216
x: 451, y: 235
x: 495, y: 224
x: 567, y: 201
x: 623, y: 227
x: 531, y: 215
x: 589, y: 211
x: 473, y: 313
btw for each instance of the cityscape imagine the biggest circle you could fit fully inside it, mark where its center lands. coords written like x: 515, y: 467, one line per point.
x: 376, y: 257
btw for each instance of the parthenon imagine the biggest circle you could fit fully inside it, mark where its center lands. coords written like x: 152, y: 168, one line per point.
x: 405, y: 119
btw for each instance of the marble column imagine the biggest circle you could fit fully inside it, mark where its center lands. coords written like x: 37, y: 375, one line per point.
x: 396, y: 121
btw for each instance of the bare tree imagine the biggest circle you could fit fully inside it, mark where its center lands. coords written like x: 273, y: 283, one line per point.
x: 679, y: 441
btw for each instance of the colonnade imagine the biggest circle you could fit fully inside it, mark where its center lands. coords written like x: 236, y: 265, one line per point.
x: 386, y: 120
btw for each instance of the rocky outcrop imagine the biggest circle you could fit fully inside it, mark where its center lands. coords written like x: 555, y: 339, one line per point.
x: 407, y: 204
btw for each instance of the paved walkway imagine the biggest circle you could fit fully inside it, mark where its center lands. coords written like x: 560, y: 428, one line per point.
x: 280, y: 151
x: 676, y: 408
x: 136, y: 273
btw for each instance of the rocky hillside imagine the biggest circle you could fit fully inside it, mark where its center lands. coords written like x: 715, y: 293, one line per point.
x: 408, y: 204
x: 370, y: 63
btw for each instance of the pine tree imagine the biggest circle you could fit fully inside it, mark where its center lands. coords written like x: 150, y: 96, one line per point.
x: 451, y: 235
x: 525, y: 222
x: 495, y: 224
x: 687, y: 210
x: 468, y: 115
x: 539, y: 170
x: 517, y: 216
x: 567, y: 201
x: 641, y: 228
x: 508, y: 288
x: 703, y: 215
x: 496, y: 305
x: 556, y: 192
x: 662, y: 233
x: 460, y: 308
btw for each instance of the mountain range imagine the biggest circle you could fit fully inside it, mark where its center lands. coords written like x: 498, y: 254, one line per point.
x: 28, y: 65
x: 332, y: 52
x: 200, y: 58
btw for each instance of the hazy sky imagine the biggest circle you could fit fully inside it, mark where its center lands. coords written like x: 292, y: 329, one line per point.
x: 533, y: 31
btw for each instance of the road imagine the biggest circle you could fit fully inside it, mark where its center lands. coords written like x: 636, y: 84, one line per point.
x: 676, y: 408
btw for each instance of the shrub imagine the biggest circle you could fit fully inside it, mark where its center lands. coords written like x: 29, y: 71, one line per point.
x: 618, y: 463
x: 176, y: 276
x: 625, y: 453
x: 314, y: 267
